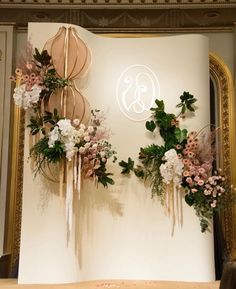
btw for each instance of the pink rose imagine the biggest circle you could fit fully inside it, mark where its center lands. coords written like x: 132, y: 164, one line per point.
x: 200, y: 182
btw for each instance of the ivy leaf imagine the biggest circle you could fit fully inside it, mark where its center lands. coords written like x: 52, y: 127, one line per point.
x: 150, y: 125
x: 180, y: 134
x: 127, y: 166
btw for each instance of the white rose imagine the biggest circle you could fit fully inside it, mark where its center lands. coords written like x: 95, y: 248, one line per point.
x: 90, y: 129
x: 102, y: 154
x: 87, y: 138
x: 80, y: 132
x: 81, y: 150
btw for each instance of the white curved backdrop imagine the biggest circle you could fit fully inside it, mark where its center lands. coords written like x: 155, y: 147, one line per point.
x: 121, y: 233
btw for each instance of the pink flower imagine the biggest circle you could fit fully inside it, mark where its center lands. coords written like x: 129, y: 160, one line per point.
x: 190, y: 164
x: 178, y: 147
x: 26, y: 77
x: 18, y: 71
x: 197, y: 178
x: 193, y: 133
x: 12, y: 78
x: 186, y: 173
x: 201, y: 170
x: 189, y: 180
x: 190, y: 154
x: 185, y: 161
x: 190, y: 141
x: 185, y: 151
x: 193, y: 190
x: 180, y: 156
x: 200, y: 182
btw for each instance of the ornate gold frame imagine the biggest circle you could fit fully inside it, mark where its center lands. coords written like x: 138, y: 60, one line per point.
x: 224, y: 85
x: 226, y: 106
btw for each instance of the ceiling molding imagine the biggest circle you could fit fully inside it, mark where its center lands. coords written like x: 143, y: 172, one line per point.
x: 127, y: 21
x: 117, y: 4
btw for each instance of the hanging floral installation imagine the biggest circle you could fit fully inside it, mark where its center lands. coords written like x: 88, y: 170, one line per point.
x: 66, y: 132
x: 182, y: 167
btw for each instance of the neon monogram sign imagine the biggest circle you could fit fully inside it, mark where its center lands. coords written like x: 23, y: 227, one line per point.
x: 136, y: 90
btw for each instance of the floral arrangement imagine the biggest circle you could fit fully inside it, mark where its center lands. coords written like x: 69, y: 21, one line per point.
x: 59, y: 138
x: 183, y: 163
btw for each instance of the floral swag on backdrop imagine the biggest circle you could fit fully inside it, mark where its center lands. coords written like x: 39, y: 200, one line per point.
x: 183, y: 166
x: 65, y: 131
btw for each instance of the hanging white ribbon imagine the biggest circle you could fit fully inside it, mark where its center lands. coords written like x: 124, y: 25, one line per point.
x: 69, y: 195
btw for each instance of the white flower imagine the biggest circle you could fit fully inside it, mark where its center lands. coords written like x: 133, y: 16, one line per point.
x: 80, y: 132
x: 87, y: 138
x: 53, y: 136
x: 90, y: 129
x: 76, y: 121
x: 65, y: 127
x: 82, y: 126
x: 35, y: 93
x: 70, y: 150
x: 81, y: 150
x: 87, y: 145
x: 26, y: 98
x: 172, y: 169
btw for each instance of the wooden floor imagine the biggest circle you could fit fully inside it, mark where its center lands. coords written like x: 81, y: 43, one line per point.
x: 12, y: 284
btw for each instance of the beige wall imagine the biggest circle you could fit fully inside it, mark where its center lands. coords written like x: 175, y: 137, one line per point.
x: 223, y: 45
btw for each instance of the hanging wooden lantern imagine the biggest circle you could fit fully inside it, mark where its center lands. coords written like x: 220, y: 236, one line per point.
x: 71, y: 59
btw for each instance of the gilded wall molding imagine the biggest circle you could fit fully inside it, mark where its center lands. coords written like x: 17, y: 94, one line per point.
x: 16, y: 189
x: 223, y: 80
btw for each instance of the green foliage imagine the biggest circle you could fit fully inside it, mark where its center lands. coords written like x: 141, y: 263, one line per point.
x: 42, y: 154
x: 180, y: 134
x: 187, y: 101
x: 50, y: 78
x: 37, y: 121
x: 51, y: 118
x: 151, y: 157
x: 103, y: 177
x: 127, y: 167
x: 35, y: 125
x: 43, y: 58
x: 150, y: 125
